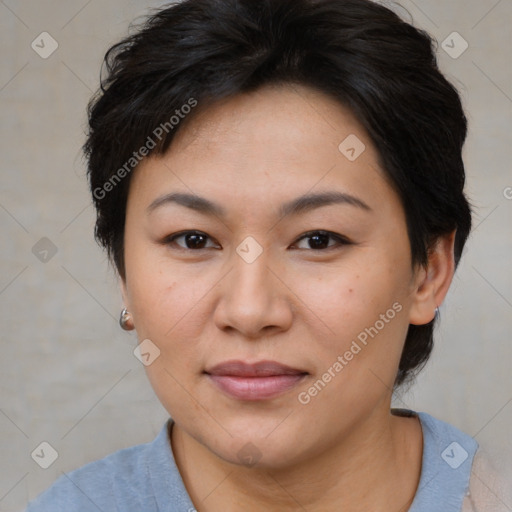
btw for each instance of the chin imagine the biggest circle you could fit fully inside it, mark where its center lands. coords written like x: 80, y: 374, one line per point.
x: 259, y: 442
x: 257, y: 454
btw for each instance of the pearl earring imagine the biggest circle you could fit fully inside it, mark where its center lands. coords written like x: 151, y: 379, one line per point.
x: 125, y: 320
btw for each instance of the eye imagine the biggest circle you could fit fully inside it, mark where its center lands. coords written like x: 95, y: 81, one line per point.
x: 194, y: 240
x: 319, y: 240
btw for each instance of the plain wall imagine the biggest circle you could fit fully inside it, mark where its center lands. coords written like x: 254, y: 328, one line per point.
x: 68, y: 375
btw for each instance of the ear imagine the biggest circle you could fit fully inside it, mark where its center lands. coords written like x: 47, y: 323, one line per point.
x: 433, y: 281
x: 126, y: 319
x: 124, y: 292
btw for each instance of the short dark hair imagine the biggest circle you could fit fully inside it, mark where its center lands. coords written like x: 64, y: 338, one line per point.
x: 360, y: 53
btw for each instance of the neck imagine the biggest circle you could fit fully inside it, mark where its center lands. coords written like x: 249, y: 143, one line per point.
x: 379, y: 462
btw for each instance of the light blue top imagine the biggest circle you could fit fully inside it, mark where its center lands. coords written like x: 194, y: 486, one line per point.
x: 145, y: 478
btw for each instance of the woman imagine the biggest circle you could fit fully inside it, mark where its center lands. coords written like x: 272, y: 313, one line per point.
x: 279, y: 185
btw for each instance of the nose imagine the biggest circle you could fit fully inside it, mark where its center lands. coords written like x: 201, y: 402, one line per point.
x: 254, y: 299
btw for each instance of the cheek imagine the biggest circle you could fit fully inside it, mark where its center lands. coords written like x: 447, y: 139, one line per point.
x: 160, y: 294
x: 357, y: 311
x: 356, y: 361
x: 167, y: 303
x: 171, y: 306
x: 346, y: 298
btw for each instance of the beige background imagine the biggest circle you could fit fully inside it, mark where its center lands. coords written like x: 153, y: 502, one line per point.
x: 68, y: 375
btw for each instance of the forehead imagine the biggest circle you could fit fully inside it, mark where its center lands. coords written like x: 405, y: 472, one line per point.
x: 274, y: 142
x: 292, y: 113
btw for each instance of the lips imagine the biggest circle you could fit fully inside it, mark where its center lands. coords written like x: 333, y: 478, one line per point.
x: 254, y: 381
x: 259, y: 369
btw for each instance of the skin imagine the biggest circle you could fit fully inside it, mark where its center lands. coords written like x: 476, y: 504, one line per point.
x: 294, y: 304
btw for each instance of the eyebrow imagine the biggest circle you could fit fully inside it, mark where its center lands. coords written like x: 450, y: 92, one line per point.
x: 301, y: 204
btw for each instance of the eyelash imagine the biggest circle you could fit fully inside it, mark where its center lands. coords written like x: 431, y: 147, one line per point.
x: 341, y: 240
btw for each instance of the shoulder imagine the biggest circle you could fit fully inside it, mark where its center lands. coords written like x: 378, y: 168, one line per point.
x: 121, y: 477
x: 447, y: 446
x: 446, y: 466
x: 490, y: 485
x: 459, y: 473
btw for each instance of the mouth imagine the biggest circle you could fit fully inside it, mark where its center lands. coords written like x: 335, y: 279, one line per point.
x: 254, y: 381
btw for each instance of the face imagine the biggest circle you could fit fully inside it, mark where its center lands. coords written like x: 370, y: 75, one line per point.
x: 240, y: 268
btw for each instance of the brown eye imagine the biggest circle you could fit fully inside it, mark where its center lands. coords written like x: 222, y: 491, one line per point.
x: 319, y: 240
x: 193, y: 240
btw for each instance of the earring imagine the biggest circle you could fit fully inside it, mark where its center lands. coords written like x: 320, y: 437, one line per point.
x: 436, y: 313
x: 125, y: 320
